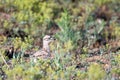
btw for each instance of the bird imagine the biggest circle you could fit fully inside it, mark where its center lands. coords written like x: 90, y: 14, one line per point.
x: 45, y: 52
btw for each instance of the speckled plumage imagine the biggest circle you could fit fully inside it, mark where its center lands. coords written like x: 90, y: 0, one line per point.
x: 45, y: 51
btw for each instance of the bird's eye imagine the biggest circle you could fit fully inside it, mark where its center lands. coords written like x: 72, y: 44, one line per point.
x: 47, y: 38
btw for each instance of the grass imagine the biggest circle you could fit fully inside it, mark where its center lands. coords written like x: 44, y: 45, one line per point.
x: 87, y: 39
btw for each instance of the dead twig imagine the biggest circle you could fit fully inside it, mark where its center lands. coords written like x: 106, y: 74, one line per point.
x: 4, y: 60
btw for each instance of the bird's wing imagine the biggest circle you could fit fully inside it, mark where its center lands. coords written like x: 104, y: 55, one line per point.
x: 40, y: 53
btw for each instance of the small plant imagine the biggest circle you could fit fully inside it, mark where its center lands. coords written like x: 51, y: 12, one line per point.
x: 95, y: 72
x: 3, y: 39
x: 102, y: 2
x: 94, y: 29
x: 67, y: 33
x: 117, y: 59
x: 23, y: 45
x: 115, y: 73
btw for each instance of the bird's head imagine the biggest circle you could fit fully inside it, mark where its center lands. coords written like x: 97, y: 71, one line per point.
x: 47, y: 39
